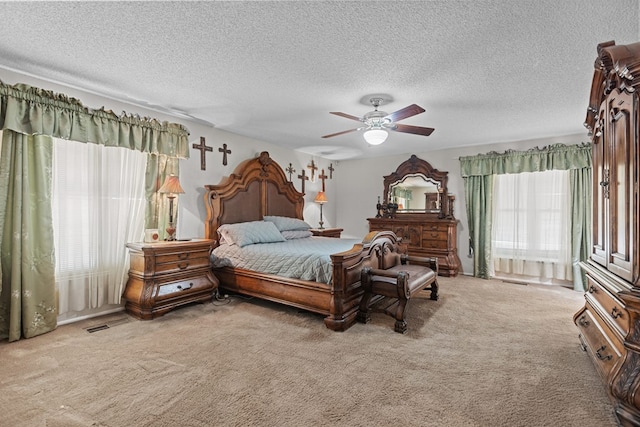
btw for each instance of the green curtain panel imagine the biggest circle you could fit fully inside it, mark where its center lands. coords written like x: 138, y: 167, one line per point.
x: 27, y: 298
x: 478, y: 171
x: 29, y: 120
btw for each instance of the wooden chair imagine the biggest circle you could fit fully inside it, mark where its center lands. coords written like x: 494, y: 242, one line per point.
x: 401, y: 280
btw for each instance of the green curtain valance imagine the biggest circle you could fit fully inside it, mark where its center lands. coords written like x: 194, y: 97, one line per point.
x: 558, y: 156
x: 33, y: 111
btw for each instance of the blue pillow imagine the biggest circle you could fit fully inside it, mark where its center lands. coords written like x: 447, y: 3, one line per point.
x: 248, y: 233
x: 285, y: 223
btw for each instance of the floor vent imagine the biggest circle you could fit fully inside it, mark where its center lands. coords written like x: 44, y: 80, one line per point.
x: 109, y: 324
x: 97, y: 328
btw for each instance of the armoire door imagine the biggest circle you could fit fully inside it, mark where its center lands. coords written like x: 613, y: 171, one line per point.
x: 600, y: 193
x: 623, y: 182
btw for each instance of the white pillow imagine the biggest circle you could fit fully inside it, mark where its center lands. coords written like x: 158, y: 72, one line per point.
x: 247, y: 233
x: 296, y: 234
x: 285, y: 223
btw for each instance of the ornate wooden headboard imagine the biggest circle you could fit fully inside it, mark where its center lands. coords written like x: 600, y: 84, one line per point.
x: 257, y: 187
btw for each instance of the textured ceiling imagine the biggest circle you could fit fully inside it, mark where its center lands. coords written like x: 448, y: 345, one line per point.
x: 484, y: 71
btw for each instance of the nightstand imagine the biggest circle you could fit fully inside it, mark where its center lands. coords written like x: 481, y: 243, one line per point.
x: 165, y: 275
x: 326, y: 232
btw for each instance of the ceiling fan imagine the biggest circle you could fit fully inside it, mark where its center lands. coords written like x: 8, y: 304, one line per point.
x: 377, y: 123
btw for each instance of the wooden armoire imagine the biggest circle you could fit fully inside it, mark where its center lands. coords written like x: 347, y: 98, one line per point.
x: 609, y: 322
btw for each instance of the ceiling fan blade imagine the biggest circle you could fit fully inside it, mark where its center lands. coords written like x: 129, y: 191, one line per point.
x: 418, y: 130
x: 346, y: 116
x: 340, y: 133
x: 409, y: 111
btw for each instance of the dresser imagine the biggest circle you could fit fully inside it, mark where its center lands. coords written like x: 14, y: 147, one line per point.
x: 426, y: 237
x: 165, y: 275
x: 609, y: 321
x: 417, y: 208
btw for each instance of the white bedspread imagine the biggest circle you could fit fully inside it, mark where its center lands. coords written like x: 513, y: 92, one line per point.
x: 305, y: 259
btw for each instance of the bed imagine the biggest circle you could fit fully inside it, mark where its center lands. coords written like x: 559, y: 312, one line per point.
x: 258, y: 188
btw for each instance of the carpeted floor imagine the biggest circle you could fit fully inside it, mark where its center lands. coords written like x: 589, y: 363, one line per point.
x: 487, y: 353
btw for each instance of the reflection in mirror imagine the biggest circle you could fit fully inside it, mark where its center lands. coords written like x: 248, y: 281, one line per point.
x: 416, y: 193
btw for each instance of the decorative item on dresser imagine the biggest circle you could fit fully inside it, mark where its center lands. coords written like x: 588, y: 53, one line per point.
x: 417, y: 208
x: 165, y: 275
x: 609, y: 322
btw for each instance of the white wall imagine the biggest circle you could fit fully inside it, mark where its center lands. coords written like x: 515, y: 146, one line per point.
x: 357, y: 201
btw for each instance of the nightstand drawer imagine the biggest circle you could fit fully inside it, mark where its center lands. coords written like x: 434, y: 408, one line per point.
x: 182, y: 261
x: 183, y: 287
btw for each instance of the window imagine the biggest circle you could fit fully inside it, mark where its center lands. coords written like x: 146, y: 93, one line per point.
x: 98, y: 206
x: 531, y: 225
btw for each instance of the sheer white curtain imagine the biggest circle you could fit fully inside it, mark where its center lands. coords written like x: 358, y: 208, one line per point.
x: 531, y: 234
x: 98, y: 206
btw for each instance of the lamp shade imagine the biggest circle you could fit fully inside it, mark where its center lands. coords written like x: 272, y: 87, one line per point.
x: 171, y: 185
x: 321, y: 198
x: 375, y: 136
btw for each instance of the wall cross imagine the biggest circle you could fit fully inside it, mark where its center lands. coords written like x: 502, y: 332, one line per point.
x: 313, y: 168
x: 291, y: 170
x: 322, y: 177
x: 331, y: 169
x: 224, y: 152
x: 203, y: 150
x: 303, y: 177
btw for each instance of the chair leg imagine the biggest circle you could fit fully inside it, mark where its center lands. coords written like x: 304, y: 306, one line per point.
x: 434, y: 290
x: 401, y: 324
x: 363, y: 315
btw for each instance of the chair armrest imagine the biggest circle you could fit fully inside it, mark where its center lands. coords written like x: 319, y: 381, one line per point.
x: 431, y: 262
x: 384, y: 273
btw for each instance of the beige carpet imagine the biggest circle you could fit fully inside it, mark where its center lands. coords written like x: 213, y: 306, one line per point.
x: 486, y: 354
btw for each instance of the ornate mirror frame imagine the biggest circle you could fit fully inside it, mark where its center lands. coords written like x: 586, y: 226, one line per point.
x: 415, y: 166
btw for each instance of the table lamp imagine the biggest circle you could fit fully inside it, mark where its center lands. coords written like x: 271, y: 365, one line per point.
x: 171, y: 188
x: 321, y: 199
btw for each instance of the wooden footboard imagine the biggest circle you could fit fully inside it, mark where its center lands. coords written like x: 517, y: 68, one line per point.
x: 338, y: 301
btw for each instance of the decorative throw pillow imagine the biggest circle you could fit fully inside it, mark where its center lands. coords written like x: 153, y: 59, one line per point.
x: 248, y: 233
x: 285, y: 223
x: 296, y: 234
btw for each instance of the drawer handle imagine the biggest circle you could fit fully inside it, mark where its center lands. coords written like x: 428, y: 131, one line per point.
x: 186, y: 288
x: 616, y: 312
x: 591, y: 289
x: 183, y: 255
x: 183, y: 265
x: 434, y: 234
x: 583, y: 321
x: 600, y: 356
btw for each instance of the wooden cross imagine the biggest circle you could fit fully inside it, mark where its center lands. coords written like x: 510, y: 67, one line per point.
x: 331, y: 169
x: 303, y: 177
x: 203, y: 149
x: 224, y: 152
x: 313, y: 168
x: 291, y: 170
x: 322, y: 176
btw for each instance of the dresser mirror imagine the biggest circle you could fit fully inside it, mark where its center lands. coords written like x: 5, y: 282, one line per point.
x: 416, y: 188
x: 416, y: 193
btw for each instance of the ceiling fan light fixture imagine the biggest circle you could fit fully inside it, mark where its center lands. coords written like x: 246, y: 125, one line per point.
x: 375, y: 136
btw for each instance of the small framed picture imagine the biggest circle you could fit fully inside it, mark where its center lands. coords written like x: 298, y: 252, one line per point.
x: 151, y: 235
